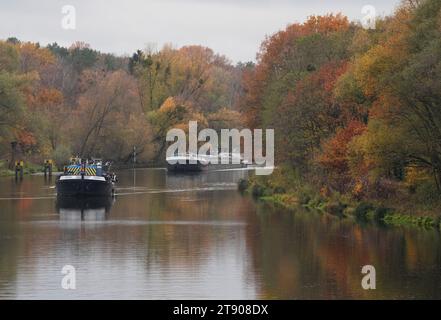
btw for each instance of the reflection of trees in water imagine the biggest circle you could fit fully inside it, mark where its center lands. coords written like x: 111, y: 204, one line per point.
x: 14, y: 241
x: 284, y: 255
x: 194, y: 226
x: 189, y: 226
x: 179, y: 229
x: 307, y: 255
x: 10, y: 249
x: 144, y: 178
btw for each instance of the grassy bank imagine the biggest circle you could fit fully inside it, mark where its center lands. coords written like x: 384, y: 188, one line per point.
x: 292, y: 194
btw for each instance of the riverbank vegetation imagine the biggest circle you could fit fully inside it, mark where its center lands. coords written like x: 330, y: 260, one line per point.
x: 357, y: 114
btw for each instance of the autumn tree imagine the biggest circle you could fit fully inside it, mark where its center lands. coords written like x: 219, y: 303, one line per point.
x: 174, y: 113
x: 398, y: 78
x: 336, y: 158
x: 107, y: 107
x: 287, y: 57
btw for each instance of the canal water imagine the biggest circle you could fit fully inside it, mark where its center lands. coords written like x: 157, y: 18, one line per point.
x: 196, y: 237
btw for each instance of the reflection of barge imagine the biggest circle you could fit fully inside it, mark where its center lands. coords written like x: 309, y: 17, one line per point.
x: 89, y: 208
x: 86, y: 178
x: 80, y: 204
x: 195, y: 163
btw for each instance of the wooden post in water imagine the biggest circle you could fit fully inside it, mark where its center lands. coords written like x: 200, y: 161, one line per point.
x: 134, y: 168
x: 19, y: 168
x: 48, y: 167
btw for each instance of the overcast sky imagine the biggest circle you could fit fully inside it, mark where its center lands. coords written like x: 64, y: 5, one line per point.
x: 231, y: 27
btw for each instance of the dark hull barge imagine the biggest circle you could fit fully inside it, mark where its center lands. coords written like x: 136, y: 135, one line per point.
x: 186, y: 163
x: 85, y: 179
x: 84, y: 186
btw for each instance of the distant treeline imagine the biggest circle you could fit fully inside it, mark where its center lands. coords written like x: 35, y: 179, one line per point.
x: 56, y: 102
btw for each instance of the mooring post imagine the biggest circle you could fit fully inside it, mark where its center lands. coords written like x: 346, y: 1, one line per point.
x: 19, y: 168
x: 48, y: 167
x: 134, y: 168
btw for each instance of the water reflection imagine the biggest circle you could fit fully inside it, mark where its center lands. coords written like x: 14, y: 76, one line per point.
x: 195, y: 236
x: 323, y: 255
x: 73, y: 209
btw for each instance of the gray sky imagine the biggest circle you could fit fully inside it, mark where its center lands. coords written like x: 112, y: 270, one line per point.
x: 234, y: 28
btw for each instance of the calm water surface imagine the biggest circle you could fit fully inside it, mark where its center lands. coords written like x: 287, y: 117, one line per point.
x: 196, y: 237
